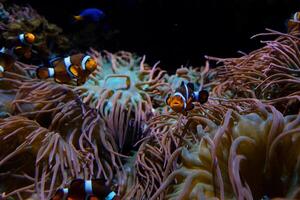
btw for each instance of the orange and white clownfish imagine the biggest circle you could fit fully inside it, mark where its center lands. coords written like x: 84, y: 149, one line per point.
x: 78, y: 66
x: 23, y: 48
x: 26, y: 38
x: 184, y: 97
x: 7, y: 60
x: 80, y: 189
x: 294, y: 23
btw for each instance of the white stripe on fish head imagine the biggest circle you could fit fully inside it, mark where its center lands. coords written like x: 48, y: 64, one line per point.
x: 186, y: 91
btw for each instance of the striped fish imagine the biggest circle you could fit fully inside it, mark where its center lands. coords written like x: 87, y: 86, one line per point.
x: 184, y: 97
x: 80, y: 189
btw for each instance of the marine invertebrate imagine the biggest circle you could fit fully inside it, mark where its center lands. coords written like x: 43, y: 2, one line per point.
x: 167, y: 134
x: 270, y: 74
x: 200, y: 76
x: 64, y: 137
x: 238, y: 159
x: 123, y: 92
x: 75, y: 145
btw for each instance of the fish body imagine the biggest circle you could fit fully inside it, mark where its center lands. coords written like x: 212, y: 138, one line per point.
x: 294, y: 23
x: 78, y: 66
x: 7, y: 61
x: 184, y: 97
x: 22, y: 47
x: 80, y: 189
x: 90, y: 15
x: 26, y: 38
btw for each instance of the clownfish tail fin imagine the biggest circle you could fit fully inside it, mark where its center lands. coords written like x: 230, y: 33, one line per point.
x: 44, y: 72
x: 77, y: 18
x: 202, y: 97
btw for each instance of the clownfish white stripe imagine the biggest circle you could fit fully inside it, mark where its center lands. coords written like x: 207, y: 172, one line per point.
x: 110, y: 196
x: 183, y: 99
x: 296, y: 16
x: 51, y: 72
x: 66, y: 192
x: 85, y: 58
x: 1, y: 69
x: 88, y: 187
x: 3, y: 50
x: 67, y: 62
x: 22, y: 38
x: 196, y: 95
x: 186, y: 91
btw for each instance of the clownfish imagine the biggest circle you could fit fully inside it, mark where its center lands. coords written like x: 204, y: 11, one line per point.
x: 184, y: 97
x: 6, y: 60
x: 26, y: 38
x: 294, y: 23
x: 78, y: 66
x: 90, y: 15
x: 80, y: 189
x: 23, y: 48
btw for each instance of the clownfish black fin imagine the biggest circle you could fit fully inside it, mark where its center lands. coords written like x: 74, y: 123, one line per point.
x: 167, y: 99
x: 191, y: 85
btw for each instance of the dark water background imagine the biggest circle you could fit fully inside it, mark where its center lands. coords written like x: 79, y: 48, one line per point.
x: 174, y: 32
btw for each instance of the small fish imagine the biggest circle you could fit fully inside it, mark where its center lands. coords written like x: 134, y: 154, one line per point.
x: 23, y: 46
x: 90, y: 15
x: 294, y: 23
x: 26, y: 38
x: 78, y: 66
x: 182, y: 100
x: 7, y: 60
x: 80, y: 189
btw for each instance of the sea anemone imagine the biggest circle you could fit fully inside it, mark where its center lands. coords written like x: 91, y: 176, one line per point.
x: 123, y: 92
x: 238, y: 159
x: 270, y: 73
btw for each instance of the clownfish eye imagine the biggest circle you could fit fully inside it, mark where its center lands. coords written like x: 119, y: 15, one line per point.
x: 29, y: 37
x: 91, y: 65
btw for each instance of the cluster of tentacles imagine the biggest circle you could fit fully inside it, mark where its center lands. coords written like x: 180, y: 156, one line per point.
x: 271, y: 73
x: 238, y: 159
x: 71, y: 131
x: 123, y: 91
x: 250, y: 123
